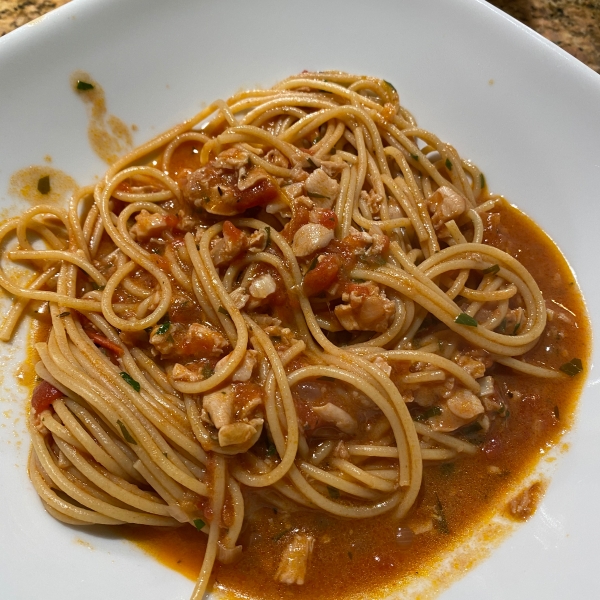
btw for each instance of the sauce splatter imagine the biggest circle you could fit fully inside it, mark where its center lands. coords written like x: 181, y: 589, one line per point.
x: 109, y: 137
x: 25, y: 184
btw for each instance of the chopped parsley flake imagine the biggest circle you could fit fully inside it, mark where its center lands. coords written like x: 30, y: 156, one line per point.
x: 333, y: 492
x: 465, y: 319
x: 84, y: 85
x: 573, y: 367
x: 126, y: 435
x: 130, y: 380
x: 44, y: 185
x: 163, y: 328
x: 491, y: 270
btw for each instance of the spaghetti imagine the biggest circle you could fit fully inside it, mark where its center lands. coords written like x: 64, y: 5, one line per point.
x: 287, y: 296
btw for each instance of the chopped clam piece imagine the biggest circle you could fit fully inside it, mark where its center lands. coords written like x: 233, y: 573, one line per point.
x: 252, y: 177
x: 310, y: 238
x: 294, y: 560
x: 322, y: 188
x: 238, y: 433
x: 338, y: 416
x: 239, y: 297
x: 219, y: 405
x: 383, y: 365
x: 262, y: 286
x: 465, y: 404
x: 149, y: 225
x: 445, y: 205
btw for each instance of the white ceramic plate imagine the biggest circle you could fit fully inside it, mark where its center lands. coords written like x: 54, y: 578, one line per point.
x: 521, y: 108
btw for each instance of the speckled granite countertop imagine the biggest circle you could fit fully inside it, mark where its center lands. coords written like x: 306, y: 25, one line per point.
x: 572, y: 24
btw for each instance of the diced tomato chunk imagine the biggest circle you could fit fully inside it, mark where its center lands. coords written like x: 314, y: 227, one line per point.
x: 323, y: 275
x: 43, y: 396
x: 231, y: 232
x: 327, y: 218
x: 260, y: 194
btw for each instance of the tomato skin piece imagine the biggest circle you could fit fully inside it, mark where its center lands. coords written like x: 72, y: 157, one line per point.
x: 323, y: 275
x: 43, y: 396
x: 103, y: 341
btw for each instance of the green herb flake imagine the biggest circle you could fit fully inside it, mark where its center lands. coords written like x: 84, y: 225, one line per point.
x: 432, y: 411
x: 276, y: 339
x: 268, y: 236
x: 65, y: 314
x: 223, y: 311
x: 502, y: 326
x: 44, y: 185
x: 448, y: 164
x: 573, y: 367
x: 447, y: 469
x: 281, y: 534
x: 414, y: 157
x: 491, y: 270
x: 517, y: 325
x: 84, y: 85
x: 481, y: 180
x: 313, y: 264
x: 388, y: 83
x: 163, y: 328
x: 471, y: 428
x: 465, y: 319
x: 271, y: 450
x: 556, y: 413
x: 312, y: 164
x: 440, y: 518
x: 199, y: 524
x: 126, y: 435
x: 130, y: 380
x: 333, y: 492
x: 316, y: 195
x: 207, y: 371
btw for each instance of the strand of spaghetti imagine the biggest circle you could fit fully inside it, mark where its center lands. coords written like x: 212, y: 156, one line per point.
x: 237, y: 501
x: 139, y: 257
x: 59, y: 255
x: 494, y: 342
x: 77, y: 238
x: 84, y: 497
x: 523, y: 367
x: 124, y: 460
x: 114, y: 412
x: 366, y: 478
x: 20, y: 304
x: 68, y: 512
x: 119, y: 491
x: 84, y: 442
x: 332, y: 480
x: 373, y: 394
x: 287, y: 447
x: 218, y: 499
